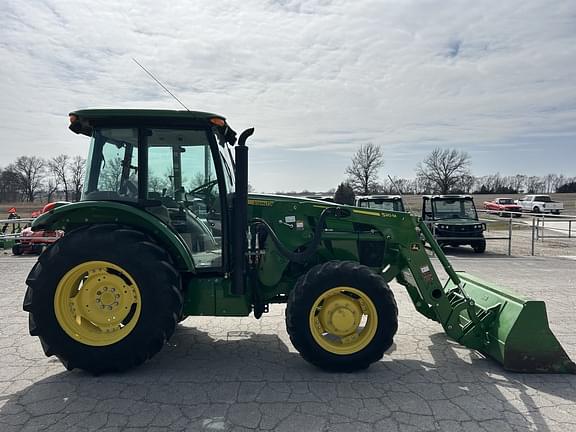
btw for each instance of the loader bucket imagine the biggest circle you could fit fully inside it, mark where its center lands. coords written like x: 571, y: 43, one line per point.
x: 516, y: 334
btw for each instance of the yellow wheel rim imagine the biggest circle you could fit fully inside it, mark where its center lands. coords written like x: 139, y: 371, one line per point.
x: 97, y: 303
x: 343, y: 320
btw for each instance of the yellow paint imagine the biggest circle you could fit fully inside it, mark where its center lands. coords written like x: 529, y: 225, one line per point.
x: 260, y: 203
x: 367, y: 213
x: 371, y: 213
x: 343, y: 320
x: 97, y: 303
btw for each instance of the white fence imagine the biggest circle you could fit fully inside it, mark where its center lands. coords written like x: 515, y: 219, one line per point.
x: 542, y: 226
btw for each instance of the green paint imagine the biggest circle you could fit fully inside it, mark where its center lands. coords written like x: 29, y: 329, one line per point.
x: 211, y: 296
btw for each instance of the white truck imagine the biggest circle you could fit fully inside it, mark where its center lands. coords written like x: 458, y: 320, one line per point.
x: 540, y: 204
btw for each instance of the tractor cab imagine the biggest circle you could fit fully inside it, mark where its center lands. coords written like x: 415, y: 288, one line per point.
x: 178, y: 167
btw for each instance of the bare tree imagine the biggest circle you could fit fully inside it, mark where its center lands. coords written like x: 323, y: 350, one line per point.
x: 559, y: 181
x: 59, y: 167
x: 534, y: 184
x: 466, y: 183
x: 31, y: 170
x: 77, y: 171
x: 549, y: 182
x: 51, y: 187
x: 363, y: 173
x: 518, y: 182
x: 443, y: 169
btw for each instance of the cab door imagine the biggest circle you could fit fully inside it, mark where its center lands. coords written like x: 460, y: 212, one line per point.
x: 183, y: 177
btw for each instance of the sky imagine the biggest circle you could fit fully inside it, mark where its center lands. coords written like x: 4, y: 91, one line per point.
x: 316, y: 79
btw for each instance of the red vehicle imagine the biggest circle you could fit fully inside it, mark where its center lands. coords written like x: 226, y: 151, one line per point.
x: 503, y: 206
x: 34, y: 242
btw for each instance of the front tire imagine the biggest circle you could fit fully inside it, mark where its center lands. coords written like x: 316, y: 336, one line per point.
x: 341, y: 316
x: 103, y: 298
x: 479, y: 246
x: 17, y: 250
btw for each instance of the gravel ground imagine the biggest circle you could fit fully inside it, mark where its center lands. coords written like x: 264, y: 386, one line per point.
x: 241, y: 374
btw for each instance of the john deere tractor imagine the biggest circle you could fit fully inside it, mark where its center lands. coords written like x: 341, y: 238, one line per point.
x: 166, y: 230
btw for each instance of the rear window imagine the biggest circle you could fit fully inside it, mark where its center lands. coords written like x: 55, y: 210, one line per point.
x: 543, y: 198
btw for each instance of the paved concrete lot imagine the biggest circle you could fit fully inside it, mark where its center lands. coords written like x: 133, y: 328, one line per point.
x: 221, y: 374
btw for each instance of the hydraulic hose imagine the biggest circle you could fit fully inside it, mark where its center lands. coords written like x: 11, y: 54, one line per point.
x: 312, y: 245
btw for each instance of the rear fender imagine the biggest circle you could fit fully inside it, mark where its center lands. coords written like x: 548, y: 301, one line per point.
x: 75, y: 215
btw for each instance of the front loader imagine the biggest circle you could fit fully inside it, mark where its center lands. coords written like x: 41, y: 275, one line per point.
x: 166, y: 229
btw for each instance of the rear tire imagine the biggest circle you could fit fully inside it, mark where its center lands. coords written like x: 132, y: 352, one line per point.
x: 17, y: 250
x: 536, y: 209
x: 66, y: 292
x: 336, y: 294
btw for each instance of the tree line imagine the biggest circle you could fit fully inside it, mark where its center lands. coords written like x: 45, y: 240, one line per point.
x: 442, y: 171
x: 32, y: 178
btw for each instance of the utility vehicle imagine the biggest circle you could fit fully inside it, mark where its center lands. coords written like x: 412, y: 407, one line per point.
x: 453, y: 220
x: 381, y: 202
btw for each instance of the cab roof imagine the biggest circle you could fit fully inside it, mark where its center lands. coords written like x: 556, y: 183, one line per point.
x: 455, y: 196
x: 113, y: 114
x: 379, y: 197
x: 83, y: 121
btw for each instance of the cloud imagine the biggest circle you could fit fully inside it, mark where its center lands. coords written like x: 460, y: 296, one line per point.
x: 316, y: 78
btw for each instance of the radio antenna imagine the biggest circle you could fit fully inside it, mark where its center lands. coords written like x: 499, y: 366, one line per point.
x: 399, y: 191
x: 160, y: 84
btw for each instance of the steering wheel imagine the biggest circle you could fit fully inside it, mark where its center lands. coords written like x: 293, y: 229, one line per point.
x: 202, y: 193
x: 204, y: 189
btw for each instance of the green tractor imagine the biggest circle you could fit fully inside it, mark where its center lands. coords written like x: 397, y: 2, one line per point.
x: 166, y: 230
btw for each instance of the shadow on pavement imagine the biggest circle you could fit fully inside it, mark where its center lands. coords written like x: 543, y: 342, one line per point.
x: 468, y: 252
x: 248, y: 380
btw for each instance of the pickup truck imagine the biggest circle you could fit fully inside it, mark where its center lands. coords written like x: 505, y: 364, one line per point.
x: 503, y: 206
x: 540, y: 204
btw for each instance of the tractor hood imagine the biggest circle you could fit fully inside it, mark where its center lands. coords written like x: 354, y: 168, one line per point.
x: 267, y: 200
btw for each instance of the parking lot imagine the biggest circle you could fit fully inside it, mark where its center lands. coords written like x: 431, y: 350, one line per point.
x: 239, y: 374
